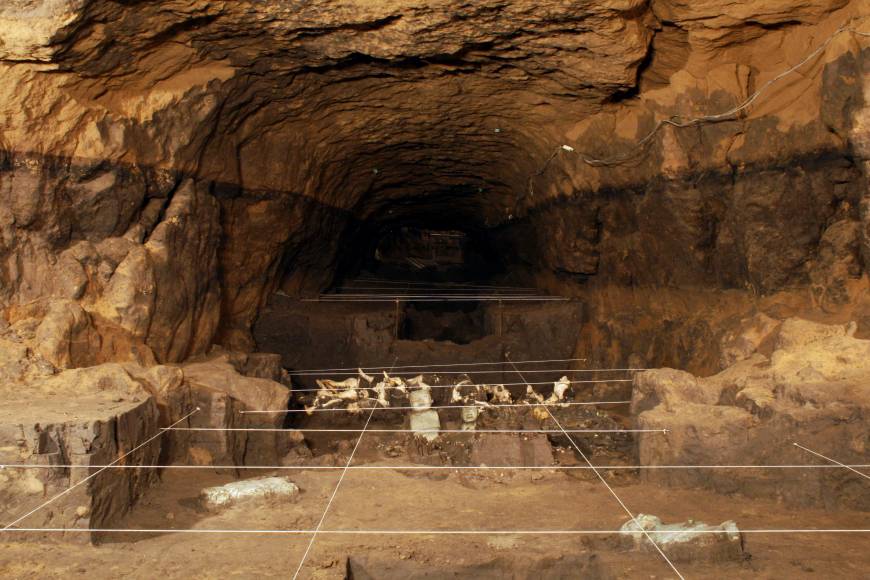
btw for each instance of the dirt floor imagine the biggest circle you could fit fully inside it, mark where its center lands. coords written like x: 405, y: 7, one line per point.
x: 390, y: 499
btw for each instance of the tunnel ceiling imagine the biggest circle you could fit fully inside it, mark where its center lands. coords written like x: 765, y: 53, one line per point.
x: 237, y: 145
x: 351, y: 102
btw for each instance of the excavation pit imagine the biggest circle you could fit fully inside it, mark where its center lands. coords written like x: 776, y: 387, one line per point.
x: 477, y: 282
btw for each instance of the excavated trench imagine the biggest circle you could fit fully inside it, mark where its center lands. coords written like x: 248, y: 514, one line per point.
x: 462, y: 273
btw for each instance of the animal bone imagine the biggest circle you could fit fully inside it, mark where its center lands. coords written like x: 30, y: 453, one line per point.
x: 499, y: 394
x: 533, y: 396
x: 353, y: 394
x: 395, y: 383
x: 560, y: 387
x: 417, y: 382
x: 472, y: 394
x: 328, y: 384
x: 380, y: 390
x: 332, y: 393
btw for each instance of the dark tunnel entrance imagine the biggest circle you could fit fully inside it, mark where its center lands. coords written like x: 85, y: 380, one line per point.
x: 426, y: 244
x: 423, y: 280
x: 458, y: 322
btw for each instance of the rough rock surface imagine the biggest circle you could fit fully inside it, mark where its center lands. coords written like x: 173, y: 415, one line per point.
x: 686, y: 541
x: 258, y: 490
x: 812, y: 390
x: 367, y: 333
x: 221, y: 394
x: 167, y: 166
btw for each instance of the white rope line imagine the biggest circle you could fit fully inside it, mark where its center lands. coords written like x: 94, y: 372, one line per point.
x: 334, y: 492
x: 464, y: 431
x: 406, y: 295
x: 433, y: 285
x: 864, y: 475
x: 676, y: 122
x: 439, y: 291
x: 479, y: 372
x: 452, y: 299
x: 432, y: 366
x: 382, y: 282
x: 96, y: 473
x: 480, y: 406
x: 491, y: 384
x: 440, y: 284
x: 607, y: 485
x: 428, y: 467
x: 449, y: 294
x: 437, y: 532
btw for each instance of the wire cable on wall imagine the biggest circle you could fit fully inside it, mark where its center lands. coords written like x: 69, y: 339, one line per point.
x: 678, y: 122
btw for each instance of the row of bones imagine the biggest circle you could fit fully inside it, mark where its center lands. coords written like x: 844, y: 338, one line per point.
x: 464, y: 393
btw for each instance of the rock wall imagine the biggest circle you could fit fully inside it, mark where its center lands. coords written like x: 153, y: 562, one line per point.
x: 167, y: 169
x: 314, y: 335
x: 810, y: 390
x: 82, y: 417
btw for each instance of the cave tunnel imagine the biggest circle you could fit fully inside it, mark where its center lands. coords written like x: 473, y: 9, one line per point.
x: 443, y: 239
x: 434, y: 288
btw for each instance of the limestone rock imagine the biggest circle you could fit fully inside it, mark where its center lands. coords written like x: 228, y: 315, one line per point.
x: 216, y: 387
x: 30, y: 27
x: 740, y: 343
x: 170, y: 168
x: 183, y: 251
x: 66, y: 337
x: 425, y: 424
x: 670, y: 388
x: 262, y: 365
x: 424, y: 421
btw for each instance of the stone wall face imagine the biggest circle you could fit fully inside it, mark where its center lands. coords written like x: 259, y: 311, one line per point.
x: 167, y: 170
x: 70, y: 425
x: 109, y: 416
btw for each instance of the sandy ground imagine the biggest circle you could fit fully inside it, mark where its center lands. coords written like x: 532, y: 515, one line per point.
x: 420, y: 500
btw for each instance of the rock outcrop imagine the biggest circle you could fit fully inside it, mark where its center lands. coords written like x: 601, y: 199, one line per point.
x: 811, y: 390
x: 82, y: 418
x: 69, y: 424
x: 166, y: 167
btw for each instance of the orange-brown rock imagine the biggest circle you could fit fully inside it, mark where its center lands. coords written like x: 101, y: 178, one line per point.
x: 167, y: 168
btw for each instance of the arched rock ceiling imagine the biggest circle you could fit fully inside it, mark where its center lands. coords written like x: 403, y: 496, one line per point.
x: 343, y: 100
x: 346, y: 100
x: 354, y: 103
